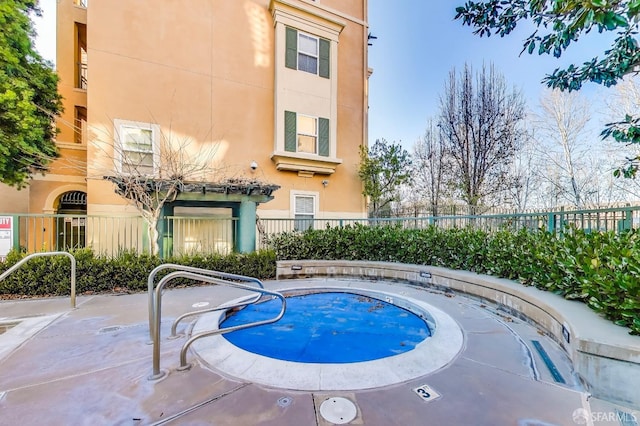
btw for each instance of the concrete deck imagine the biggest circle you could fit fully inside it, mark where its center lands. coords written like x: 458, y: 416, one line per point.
x: 90, y: 366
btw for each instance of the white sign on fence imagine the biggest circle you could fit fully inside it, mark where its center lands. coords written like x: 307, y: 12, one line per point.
x: 6, y: 235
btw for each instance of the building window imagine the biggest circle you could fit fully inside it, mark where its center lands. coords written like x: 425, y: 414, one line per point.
x: 80, y: 124
x: 304, y: 210
x: 306, y: 134
x: 81, y: 79
x: 307, y: 53
x: 137, y: 151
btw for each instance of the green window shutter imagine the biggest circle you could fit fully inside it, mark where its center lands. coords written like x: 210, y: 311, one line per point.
x: 290, y: 131
x: 291, y: 56
x: 325, y: 52
x: 323, y: 137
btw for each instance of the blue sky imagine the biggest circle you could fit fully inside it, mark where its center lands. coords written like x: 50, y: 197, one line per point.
x: 418, y: 44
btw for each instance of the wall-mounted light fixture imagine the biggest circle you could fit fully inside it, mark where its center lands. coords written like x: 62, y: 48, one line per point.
x: 325, y: 183
x: 254, y: 166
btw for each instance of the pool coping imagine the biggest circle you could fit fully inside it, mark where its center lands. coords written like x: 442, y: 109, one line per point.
x: 432, y: 354
x: 604, y: 355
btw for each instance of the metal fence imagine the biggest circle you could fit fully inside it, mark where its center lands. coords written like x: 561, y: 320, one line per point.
x: 105, y: 234
x: 609, y: 219
x: 109, y: 235
x: 186, y: 235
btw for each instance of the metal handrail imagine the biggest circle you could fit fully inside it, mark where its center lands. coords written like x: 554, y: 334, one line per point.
x: 157, y: 309
x: 183, y: 352
x: 49, y: 253
x: 154, y: 272
x: 174, y: 326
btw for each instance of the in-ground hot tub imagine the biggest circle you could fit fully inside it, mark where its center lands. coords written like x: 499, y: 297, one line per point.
x: 430, y: 342
x: 328, y: 327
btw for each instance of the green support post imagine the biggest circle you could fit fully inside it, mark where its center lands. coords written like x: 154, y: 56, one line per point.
x: 551, y: 222
x: 626, y: 223
x: 165, y: 232
x: 246, y: 235
x: 16, y: 232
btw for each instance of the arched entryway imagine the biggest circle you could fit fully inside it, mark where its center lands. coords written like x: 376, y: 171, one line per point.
x: 72, y: 217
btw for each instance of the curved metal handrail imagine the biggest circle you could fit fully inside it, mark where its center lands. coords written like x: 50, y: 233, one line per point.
x: 185, y: 347
x: 157, y: 374
x: 43, y: 254
x: 174, y: 327
x: 154, y: 272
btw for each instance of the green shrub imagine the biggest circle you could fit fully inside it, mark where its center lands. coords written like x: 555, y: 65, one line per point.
x: 601, y: 269
x: 126, y: 272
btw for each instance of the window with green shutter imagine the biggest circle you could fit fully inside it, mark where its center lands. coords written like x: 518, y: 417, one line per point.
x: 303, y: 133
x: 306, y: 52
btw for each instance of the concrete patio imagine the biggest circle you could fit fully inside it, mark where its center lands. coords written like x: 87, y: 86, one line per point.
x: 90, y: 366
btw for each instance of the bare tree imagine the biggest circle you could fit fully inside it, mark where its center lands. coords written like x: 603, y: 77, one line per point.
x: 525, y: 171
x: 482, y: 124
x: 624, y: 100
x: 154, y: 175
x: 431, y: 166
x: 149, y: 179
x: 562, y: 141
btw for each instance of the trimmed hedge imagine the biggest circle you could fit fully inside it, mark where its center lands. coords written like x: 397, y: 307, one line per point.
x: 126, y: 272
x: 602, y: 269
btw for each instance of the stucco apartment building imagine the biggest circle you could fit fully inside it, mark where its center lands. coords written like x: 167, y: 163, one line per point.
x: 267, y: 91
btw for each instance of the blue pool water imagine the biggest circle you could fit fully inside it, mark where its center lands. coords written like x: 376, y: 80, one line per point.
x: 332, y: 327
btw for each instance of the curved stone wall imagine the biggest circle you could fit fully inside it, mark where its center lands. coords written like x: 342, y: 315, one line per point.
x: 606, y: 356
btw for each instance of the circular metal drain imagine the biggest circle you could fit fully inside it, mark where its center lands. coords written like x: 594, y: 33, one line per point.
x: 338, y: 410
x: 285, y: 401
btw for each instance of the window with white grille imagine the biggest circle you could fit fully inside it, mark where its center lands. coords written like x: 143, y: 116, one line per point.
x: 137, y: 149
x: 304, y: 212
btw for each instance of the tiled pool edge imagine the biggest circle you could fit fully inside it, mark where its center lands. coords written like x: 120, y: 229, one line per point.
x: 605, y: 356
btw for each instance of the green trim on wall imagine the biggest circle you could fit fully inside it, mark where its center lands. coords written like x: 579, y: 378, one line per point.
x: 291, y: 55
x: 290, y: 129
x: 323, y: 137
x: 324, y: 57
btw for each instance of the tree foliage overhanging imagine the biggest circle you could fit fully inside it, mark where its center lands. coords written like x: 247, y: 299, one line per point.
x: 558, y: 24
x: 29, y: 99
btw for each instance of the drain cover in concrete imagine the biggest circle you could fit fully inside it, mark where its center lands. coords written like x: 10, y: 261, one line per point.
x: 338, y: 410
x: 285, y: 401
x: 109, y: 329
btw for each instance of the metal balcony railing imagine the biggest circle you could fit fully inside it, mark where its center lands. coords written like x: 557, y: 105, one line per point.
x: 82, y: 75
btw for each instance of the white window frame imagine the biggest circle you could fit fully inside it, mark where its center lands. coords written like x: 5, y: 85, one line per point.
x: 299, y: 133
x: 315, y: 196
x: 120, y: 129
x: 301, y: 52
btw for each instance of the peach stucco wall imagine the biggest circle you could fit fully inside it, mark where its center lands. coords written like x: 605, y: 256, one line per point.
x: 205, y: 73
